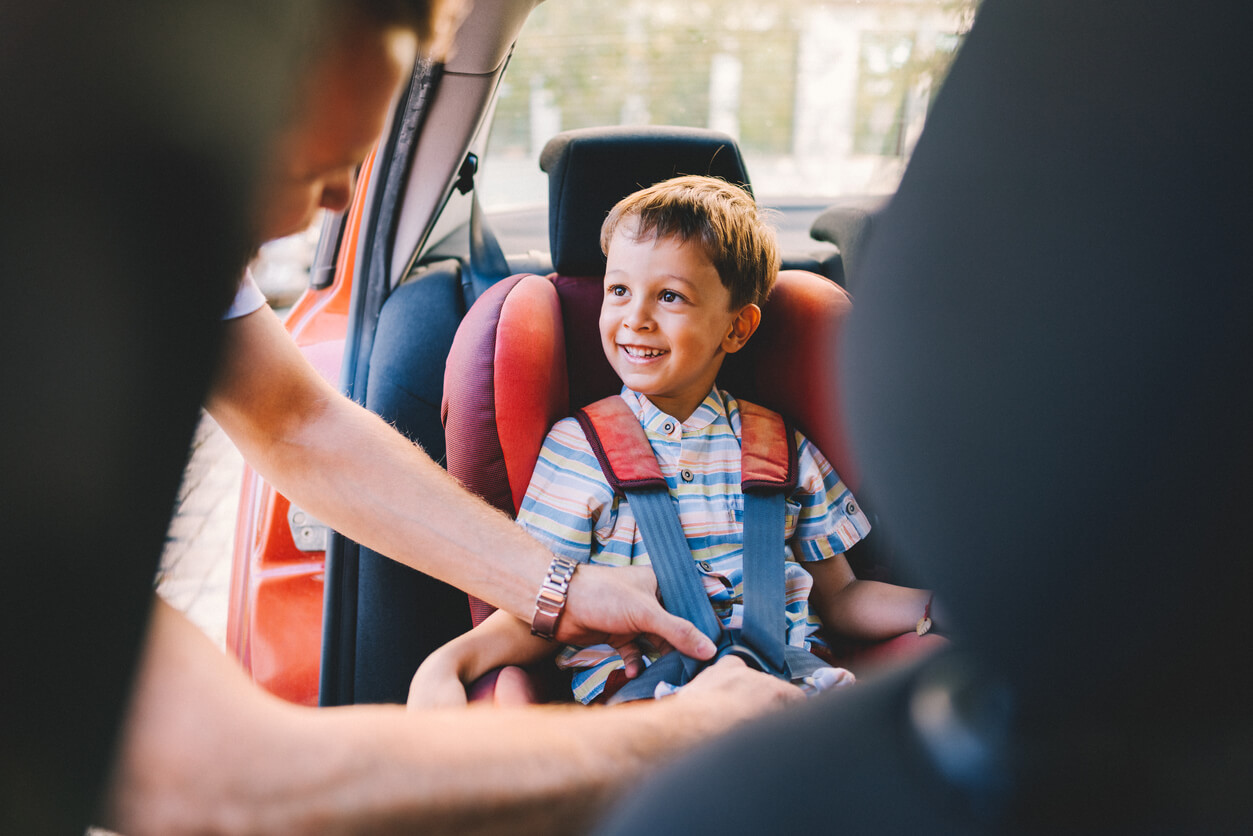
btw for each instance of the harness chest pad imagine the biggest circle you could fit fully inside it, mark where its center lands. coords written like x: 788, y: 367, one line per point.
x: 620, y: 445
x: 768, y: 458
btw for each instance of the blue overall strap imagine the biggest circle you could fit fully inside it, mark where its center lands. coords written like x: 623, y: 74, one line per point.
x: 626, y: 458
x: 768, y: 475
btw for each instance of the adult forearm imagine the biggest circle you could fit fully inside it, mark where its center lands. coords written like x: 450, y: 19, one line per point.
x: 204, y: 751
x: 538, y: 770
x: 550, y: 769
x: 346, y: 466
x: 365, y: 480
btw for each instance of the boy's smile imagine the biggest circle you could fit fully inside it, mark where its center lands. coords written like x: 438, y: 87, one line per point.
x: 666, y: 320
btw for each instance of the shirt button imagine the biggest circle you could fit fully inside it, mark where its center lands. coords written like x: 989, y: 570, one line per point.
x: 687, y: 475
x: 704, y: 564
x: 668, y: 427
x: 850, y: 509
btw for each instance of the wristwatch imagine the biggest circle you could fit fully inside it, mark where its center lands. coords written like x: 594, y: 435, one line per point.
x: 551, y: 599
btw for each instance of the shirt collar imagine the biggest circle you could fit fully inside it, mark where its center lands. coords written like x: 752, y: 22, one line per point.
x: 655, y: 421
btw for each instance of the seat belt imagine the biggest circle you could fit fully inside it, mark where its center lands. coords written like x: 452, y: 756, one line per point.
x: 487, y: 259
x: 768, y: 476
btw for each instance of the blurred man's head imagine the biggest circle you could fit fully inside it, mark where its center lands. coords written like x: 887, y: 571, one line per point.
x: 340, y: 103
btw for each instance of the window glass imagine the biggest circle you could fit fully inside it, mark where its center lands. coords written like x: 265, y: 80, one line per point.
x: 824, y: 98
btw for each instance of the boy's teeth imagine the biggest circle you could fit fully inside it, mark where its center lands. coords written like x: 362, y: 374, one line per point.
x: 643, y: 352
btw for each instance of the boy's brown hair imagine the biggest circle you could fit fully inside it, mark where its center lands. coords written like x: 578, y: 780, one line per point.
x: 723, y: 218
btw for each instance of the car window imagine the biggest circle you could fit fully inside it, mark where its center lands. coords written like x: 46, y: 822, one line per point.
x: 824, y: 98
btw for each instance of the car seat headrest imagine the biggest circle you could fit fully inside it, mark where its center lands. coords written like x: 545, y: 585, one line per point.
x: 590, y: 170
x: 847, y: 224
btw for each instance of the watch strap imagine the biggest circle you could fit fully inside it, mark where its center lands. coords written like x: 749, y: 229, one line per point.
x: 551, y: 600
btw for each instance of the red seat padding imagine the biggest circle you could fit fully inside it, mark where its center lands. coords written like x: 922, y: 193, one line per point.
x: 791, y: 364
x: 504, y: 386
x: 528, y: 353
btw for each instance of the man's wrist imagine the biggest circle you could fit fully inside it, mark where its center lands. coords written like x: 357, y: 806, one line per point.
x: 550, y: 603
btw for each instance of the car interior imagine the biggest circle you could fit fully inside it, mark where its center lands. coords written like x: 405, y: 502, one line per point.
x: 509, y: 377
x: 1046, y: 372
x: 1044, y: 212
x: 417, y: 249
x: 429, y: 249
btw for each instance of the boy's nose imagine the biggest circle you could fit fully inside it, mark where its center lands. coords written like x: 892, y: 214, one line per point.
x: 638, y: 317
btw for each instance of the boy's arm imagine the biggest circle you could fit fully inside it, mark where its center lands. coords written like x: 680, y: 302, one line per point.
x: 499, y: 640
x: 862, y: 609
x: 830, y: 522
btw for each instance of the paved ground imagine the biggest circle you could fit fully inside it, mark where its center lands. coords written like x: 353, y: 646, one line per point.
x: 195, y: 573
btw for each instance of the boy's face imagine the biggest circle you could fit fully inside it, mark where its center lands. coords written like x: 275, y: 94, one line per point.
x: 666, y: 320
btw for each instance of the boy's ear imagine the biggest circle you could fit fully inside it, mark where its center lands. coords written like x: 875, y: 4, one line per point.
x: 742, y: 327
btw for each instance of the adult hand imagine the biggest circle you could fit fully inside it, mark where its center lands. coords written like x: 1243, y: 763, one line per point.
x: 618, y: 605
x: 745, y: 692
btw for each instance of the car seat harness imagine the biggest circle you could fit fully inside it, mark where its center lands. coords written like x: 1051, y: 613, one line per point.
x: 768, y: 475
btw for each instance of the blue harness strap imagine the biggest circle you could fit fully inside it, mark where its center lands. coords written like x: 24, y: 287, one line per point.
x: 765, y: 617
x: 681, y: 588
x: 768, y: 476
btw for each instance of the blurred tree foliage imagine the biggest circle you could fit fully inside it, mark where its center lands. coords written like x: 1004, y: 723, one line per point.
x: 653, y: 64
x: 591, y: 62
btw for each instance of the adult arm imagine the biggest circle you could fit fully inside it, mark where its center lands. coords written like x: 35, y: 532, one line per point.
x: 347, y: 467
x: 203, y: 750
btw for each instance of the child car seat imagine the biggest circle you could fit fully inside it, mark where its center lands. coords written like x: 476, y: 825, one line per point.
x: 528, y: 352
x: 383, y: 618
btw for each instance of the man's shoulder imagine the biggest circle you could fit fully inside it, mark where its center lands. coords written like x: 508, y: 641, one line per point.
x: 248, y: 297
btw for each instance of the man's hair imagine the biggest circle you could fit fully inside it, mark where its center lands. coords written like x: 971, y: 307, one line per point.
x: 722, y: 218
x: 434, y: 21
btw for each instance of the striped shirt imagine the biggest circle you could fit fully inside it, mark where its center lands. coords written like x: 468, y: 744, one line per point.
x: 571, y: 508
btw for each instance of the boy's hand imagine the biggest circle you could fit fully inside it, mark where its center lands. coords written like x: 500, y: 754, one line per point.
x: 618, y: 605
x: 435, y: 685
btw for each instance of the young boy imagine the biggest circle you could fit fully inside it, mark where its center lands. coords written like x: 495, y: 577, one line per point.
x: 689, y: 261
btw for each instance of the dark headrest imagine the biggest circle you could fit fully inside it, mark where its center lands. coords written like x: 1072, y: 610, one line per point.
x: 847, y: 224
x: 590, y: 170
